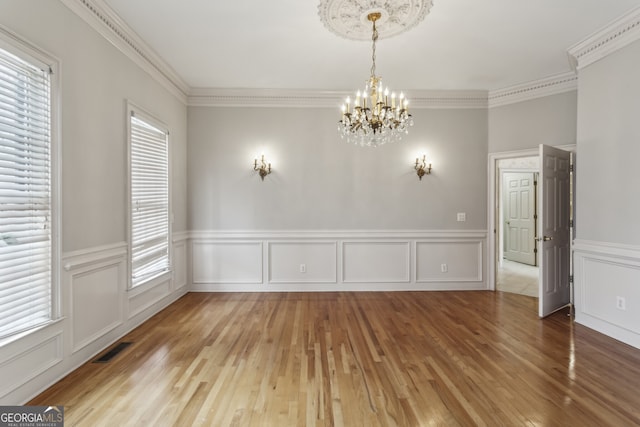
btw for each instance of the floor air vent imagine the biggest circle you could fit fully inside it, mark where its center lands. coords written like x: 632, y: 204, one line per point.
x: 106, y: 358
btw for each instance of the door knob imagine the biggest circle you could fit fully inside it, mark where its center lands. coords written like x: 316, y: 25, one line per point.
x: 544, y: 239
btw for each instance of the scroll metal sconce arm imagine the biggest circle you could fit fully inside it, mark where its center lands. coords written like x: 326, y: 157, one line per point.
x: 422, y: 168
x: 264, y: 169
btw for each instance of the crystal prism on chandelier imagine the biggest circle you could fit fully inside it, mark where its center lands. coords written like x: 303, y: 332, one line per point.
x: 372, y: 120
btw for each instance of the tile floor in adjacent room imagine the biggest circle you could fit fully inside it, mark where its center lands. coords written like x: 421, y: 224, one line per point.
x: 517, y: 278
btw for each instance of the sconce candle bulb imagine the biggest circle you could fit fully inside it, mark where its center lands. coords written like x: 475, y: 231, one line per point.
x: 422, y: 168
x: 264, y: 169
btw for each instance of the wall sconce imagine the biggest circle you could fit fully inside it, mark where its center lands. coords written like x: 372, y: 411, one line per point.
x: 264, y: 169
x: 421, y: 167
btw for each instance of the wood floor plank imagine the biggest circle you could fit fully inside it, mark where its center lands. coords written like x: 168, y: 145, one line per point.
x: 357, y: 359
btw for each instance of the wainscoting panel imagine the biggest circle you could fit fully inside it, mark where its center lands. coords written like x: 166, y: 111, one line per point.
x: 449, y: 261
x: 30, y: 362
x: 336, y: 260
x: 302, y: 262
x: 179, y: 264
x: 147, y: 296
x: 96, y: 302
x: 96, y: 280
x: 607, y: 289
x: 95, y: 310
x: 227, y: 262
x: 376, y: 262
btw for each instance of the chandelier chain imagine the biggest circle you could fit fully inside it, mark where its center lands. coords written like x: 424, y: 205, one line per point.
x: 374, y: 37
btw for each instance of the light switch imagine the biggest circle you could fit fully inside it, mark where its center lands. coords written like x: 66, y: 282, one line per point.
x: 462, y: 216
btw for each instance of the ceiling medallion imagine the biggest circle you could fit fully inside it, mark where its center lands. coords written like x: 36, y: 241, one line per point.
x: 349, y: 18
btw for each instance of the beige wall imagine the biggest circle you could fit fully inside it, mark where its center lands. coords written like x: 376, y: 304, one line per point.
x: 608, y: 198
x: 321, y: 182
x: 549, y: 120
x: 96, y: 81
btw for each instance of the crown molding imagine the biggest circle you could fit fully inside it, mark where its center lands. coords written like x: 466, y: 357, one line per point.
x: 221, y: 97
x: 618, y: 34
x: 548, y: 86
x: 107, y: 23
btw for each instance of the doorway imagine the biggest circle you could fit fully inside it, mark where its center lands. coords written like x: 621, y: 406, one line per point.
x: 552, y: 238
x: 517, y: 268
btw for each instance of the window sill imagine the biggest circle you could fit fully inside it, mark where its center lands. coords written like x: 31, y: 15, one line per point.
x: 151, y: 283
x: 6, y: 341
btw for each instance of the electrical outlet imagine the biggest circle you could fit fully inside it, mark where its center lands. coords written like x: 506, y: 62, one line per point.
x: 444, y: 268
x: 621, y: 303
x: 303, y: 268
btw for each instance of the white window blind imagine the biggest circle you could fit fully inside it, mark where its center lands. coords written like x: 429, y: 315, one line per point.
x: 25, y: 195
x: 149, y: 200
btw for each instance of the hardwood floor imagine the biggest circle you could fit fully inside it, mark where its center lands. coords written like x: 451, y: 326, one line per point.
x: 357, y: 359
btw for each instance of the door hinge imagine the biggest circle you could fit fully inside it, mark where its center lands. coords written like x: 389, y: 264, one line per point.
x: 570, y: 223
x: 571, y: 278
x: 571, y: 169
x: 535, y: 250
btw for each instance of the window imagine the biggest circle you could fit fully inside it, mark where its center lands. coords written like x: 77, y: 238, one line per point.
x: 27, y: 232
x: 149, y: 198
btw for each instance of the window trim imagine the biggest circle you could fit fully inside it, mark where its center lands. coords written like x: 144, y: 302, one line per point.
x: 133, y: 109
x: 29, y: 52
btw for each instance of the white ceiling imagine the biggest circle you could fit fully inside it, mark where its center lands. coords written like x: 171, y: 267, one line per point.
x: 282, y: 44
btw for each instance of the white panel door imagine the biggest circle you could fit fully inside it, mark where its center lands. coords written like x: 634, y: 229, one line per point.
x: 553, y: 237
x: 519, y: 212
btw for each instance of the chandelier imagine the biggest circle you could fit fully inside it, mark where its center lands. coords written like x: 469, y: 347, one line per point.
x: 372, y: 120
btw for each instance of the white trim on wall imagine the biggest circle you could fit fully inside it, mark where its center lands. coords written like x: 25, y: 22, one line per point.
x: 604, y: 272
x: 39, y: 356
x: 106, y: 22
x: 618, y: 34
x: 222, y: 97
x: 97, y: 310
x: 336, y: 260
x: 561, y: 83
x: 293, y: 261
